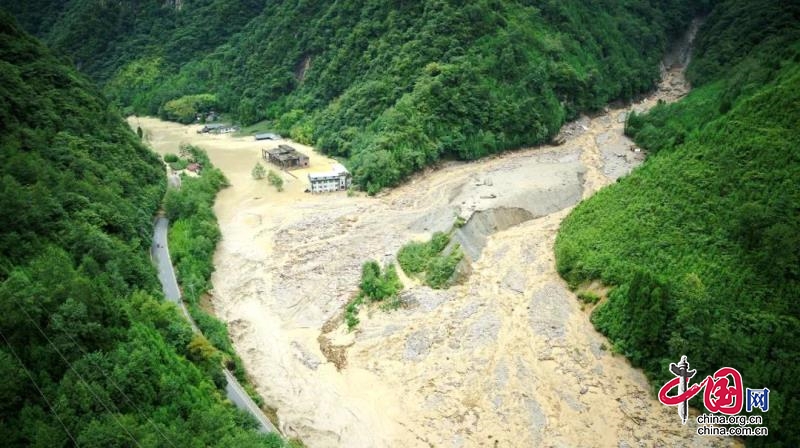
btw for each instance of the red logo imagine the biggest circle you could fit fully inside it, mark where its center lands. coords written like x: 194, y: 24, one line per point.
x: 724, y: 392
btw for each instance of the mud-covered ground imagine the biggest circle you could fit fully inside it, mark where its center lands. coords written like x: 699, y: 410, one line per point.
x: 507, y: 358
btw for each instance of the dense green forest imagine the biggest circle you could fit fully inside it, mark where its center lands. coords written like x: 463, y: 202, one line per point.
x: 702, y: 243
x: 90, y: 353
x: 390, y: 86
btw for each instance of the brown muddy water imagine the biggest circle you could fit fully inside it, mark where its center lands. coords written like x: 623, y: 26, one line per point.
x: 507, y: 358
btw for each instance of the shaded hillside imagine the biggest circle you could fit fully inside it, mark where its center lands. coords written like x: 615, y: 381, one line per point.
x: 392, y: 86
x: 103, y: 36
x: 702, y: 243
x: 89, y: 355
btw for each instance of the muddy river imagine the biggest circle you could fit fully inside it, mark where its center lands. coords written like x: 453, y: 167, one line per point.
x: 507, y: 358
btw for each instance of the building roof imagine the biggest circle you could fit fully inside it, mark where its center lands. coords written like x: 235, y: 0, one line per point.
x: 285, y: 152
x: 215, y: 125
x: 267, y: 136
x: 337, y: 170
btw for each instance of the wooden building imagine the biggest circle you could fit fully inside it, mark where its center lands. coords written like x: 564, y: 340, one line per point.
x: 285, y: 157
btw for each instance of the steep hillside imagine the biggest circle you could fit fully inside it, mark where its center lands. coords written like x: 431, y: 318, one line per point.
x: 103, y: 36
x: 89, y: 355
x: 702, y: 242
x: 393, y: 87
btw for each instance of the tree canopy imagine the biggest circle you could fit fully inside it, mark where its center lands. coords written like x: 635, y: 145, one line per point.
x: 392, y: 87
x: 89, y: 352
x: 701, y: 243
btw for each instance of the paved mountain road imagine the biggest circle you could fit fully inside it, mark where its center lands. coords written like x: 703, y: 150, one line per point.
x: 166, y: 274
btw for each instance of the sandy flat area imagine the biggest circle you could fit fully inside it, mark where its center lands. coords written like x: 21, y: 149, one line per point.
x: 506, y: 358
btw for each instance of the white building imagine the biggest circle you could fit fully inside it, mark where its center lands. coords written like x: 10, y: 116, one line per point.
x: 336, y: 179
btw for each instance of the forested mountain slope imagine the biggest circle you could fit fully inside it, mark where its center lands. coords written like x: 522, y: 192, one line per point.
x: 103, y: 36
x: 392, y: 86
x: 89, y: 353
x: 702, y: 243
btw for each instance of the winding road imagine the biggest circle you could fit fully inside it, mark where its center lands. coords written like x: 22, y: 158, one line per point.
x: 166, y: 275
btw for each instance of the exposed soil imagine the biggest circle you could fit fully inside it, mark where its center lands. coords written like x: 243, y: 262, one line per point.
x: 335, y: 354
x: 506, y: 358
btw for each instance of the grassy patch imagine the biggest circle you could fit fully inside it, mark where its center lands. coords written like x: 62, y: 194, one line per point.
x: 441, y: 269
x: 428, y: 260
x: 588, y: 297
x: 255, y: 128
x: 351, y: 312
x: 375, y: 286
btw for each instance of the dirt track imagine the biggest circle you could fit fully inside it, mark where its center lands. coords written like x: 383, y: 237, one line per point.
x: 507, y: 358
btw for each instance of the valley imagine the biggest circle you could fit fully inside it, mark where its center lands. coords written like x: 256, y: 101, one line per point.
x: 601, y: 188
x: 507, y: 358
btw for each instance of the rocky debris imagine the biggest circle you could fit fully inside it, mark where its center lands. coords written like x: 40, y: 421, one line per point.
x: 549, y: 309
x: 571, y: 401
x: 541, y: 182
x: 424, y: 298
x: 480, y: 182
x: 499, y: 253
x: 335, y: 354
x: 472, y: 235
x: 306, y: 358
x: 417, y: 346
x: 615, y: 150
x: 468, y: 310
x: 515, y: 281
x: 439, y: 219
x: 482, y: 332
x: 603, y: 138
x: 501, y: 376
x: 572, y: 130
x: 391, y: 330
x: 596, y: 350
x: 538, y: 420
x: 504, y: 356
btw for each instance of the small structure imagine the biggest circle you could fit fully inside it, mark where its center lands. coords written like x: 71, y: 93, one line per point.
x: 210, y: 127
x: 267, y: 136
x: 228, y: 129
x: 207, y: 118
x: 217, y: 128
x: 285, y: 157
x: 335, y: 180
x: 194, y: 167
